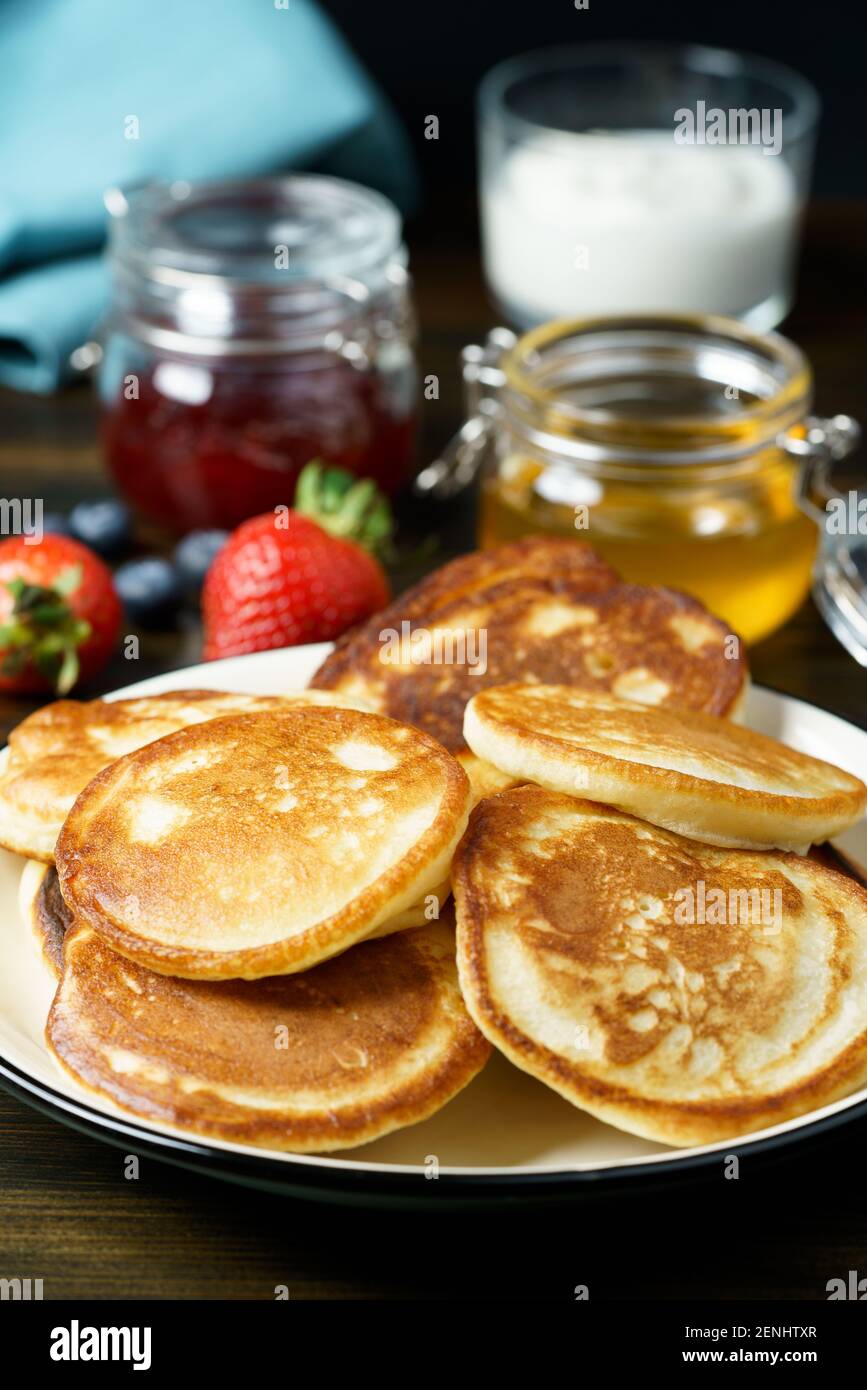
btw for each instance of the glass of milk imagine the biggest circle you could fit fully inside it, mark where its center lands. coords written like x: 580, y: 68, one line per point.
x: 646, y: 177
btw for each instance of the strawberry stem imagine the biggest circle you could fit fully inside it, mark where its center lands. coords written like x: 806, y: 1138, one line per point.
x: 345, y: 506
x: 43, y: 631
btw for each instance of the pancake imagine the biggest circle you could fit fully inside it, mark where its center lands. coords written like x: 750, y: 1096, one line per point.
x: 261, y: 844
x: 692, y: 773
x: 54, y: 753
x: 44, y: 912
x: 531, y: 557
x: 591, y: 951
x: 364, y: 1044
x: 543, y: 611
x: 484, y: 779
x: 429, y: 908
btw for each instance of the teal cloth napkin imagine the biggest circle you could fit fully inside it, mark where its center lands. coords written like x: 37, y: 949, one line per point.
x: 218, y: 88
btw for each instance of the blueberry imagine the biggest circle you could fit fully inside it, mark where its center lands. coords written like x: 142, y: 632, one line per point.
x: 150, y: 589
x: 195, y: 554
x: 104, y: 526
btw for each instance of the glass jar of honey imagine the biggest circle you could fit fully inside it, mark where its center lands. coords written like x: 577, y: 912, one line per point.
x: 676, y: 446
x: 254, y: 326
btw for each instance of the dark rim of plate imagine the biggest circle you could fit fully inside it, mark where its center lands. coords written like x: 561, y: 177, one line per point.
x: 298, y: 1177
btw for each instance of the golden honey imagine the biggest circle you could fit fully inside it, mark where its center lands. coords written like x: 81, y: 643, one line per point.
x: 664, y: 443
x: 748, y: 557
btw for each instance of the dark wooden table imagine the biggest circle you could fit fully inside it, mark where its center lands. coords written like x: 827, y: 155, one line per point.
x: 69, y: 1216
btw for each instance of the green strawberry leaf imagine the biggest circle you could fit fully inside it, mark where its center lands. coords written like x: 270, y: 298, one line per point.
x: 350, y: 508
x: 14, y: 662
x: 43, y: 632
x: 68, y: 673
x: 68, y: 581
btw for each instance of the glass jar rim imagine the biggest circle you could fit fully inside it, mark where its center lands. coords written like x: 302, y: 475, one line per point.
x: 771, y: 369
x: 718, y: 62
x: 252, y: 267
x: 350, y: 230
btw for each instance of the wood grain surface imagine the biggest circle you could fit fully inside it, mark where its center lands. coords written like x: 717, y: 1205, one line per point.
x: 68, y: 1213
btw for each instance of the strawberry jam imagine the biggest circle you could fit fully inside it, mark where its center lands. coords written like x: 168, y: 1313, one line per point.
x: 254, y: 326
x: 191, y: 462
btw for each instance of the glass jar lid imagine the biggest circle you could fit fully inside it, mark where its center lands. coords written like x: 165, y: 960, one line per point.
x: 253, y: 265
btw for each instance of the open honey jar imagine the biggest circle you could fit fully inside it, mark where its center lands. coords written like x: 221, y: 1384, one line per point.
x: 675, y: 445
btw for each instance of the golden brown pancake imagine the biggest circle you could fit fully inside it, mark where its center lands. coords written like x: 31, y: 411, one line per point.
x: 429, y: 908
x: 532, y: 557
x: 692, y: 773
x: 261, y: 844
x: 44, y: 912
x: 543, y: 611
x: 364, y: 1044
x: 54, y: 753
x: 681, y: 992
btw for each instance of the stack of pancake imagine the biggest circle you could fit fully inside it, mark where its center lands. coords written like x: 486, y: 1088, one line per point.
x: 245, y: 899
x: 244, y: 913
x: 633, y: 928
x: 549, y: 611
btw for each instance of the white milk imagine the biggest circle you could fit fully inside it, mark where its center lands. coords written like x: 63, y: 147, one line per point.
x: 578, y: 225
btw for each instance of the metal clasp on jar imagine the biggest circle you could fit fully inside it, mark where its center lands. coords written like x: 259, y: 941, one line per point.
x: 824, y: 443
x: 462, y: 457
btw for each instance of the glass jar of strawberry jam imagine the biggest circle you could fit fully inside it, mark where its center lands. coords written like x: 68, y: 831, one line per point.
x: 253, y: 327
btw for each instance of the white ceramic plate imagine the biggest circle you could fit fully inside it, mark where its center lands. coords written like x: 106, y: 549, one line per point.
x: 505, y: 1135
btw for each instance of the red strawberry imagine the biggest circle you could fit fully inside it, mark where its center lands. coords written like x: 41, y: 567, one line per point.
x: 59, y: 614
x: 284, y: 578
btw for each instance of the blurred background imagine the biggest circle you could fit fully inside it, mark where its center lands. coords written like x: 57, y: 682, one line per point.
x: 180, y: 381
x: 458, y: 43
